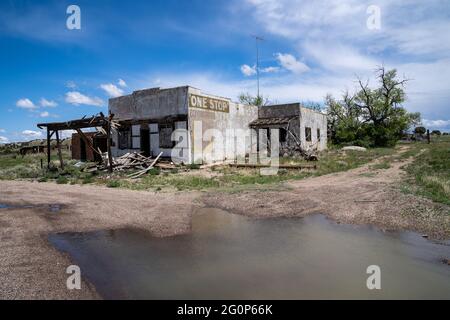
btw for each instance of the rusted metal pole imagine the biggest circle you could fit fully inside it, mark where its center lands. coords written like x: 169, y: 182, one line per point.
x: 58, y: 144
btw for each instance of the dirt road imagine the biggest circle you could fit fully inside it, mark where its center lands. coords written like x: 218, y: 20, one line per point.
x: 360, y: 196
x: 31, y: 268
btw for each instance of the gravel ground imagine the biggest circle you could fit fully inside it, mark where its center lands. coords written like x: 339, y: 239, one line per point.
x: 359, y: 196
x: 30, y: 268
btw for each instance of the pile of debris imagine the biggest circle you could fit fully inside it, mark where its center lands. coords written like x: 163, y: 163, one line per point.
x: 129, y: 161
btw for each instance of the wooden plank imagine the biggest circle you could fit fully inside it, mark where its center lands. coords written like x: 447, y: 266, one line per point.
x: 48, y: 148
x: 58, y: 145
x: 140, y: 173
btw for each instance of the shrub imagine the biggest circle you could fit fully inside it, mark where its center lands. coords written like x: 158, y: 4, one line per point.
x: 113, y: 184
x: 62, y: 180
x: 154, y: 171
x: 193, y: 166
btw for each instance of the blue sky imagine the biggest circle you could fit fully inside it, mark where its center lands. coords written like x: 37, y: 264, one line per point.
x: 311, y: 48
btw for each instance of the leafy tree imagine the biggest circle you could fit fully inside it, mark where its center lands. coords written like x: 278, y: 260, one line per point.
x: 371, y: 116
x: 436, y: 132
x: 420, y: 130
x: 247, y: 98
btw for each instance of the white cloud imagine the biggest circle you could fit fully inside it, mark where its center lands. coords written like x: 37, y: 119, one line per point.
x: 71, y: 85
x: 289, y: 62
x: 112, y: 90
x: 270, y: 69
x: 279, y: 88
x: 66, y: 134
x: 26, y: 103
x: 122, y: 83
x: 44, y: 114
x: 339, y: 58
x: 4, y: 139
x: 436, y: 124
x: 76, y: 98
x: 247, y: 70
x: 48, y: 103
x: 333, y: 37
x: 30, y: 134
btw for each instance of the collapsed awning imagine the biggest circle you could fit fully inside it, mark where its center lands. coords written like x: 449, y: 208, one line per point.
x: 271, y: 121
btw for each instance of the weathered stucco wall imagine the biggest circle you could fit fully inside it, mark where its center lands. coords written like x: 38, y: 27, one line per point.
x: 307, y: 118
x: 152, y: 103
x: 314, y: 120
x: 155, y: 107
x: 217, y: 135
x: 278, y: 111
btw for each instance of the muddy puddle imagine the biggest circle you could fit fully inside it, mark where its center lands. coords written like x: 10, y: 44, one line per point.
x: 233, y: 257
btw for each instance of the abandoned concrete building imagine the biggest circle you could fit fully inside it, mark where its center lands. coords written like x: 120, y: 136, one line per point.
x: 213, y: 126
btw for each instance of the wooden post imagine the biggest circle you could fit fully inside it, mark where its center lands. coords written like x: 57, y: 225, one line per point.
x: 108, y: 143
x: 58, y: 144
x: 48, y: 148
x: 428, y: 136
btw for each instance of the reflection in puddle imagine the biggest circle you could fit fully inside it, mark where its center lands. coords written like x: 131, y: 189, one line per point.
x: 232, y: 257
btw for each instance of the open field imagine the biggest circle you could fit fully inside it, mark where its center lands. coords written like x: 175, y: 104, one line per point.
x: 428, y: 174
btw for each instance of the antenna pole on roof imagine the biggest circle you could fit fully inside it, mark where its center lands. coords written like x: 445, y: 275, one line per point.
x: 257, y: 38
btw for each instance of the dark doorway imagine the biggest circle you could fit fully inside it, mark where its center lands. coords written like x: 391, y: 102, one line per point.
x: 145, y: 142
x: 82, y: 150
x: 100, y: 143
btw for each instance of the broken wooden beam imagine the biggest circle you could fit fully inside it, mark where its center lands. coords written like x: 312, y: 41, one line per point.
x: 58, y: 145
x: 140, y: 173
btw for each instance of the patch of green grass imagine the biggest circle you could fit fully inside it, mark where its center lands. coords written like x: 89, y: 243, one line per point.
x: 154, y: 171
x: 113, y: 184
x: 381, y: 165
x: 193, y: 166
x: 62, y: 180
x: 87, y: 180
x: 429, y: 173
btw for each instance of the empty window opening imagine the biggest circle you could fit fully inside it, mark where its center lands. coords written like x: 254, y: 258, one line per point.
x: 308, y: 134
x: 318, y: 135
x: 124, y: 138
x: 165, y: 136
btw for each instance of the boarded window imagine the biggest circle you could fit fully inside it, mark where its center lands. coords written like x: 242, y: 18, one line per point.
x: 308, y: 134
x: 124, y: 138
x: 165, y: 136
x: 318, y: 135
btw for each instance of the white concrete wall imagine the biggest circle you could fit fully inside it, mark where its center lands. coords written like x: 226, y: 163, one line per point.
x: 219, y: 146
x: 150, y: 104
x: 314, y: 120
